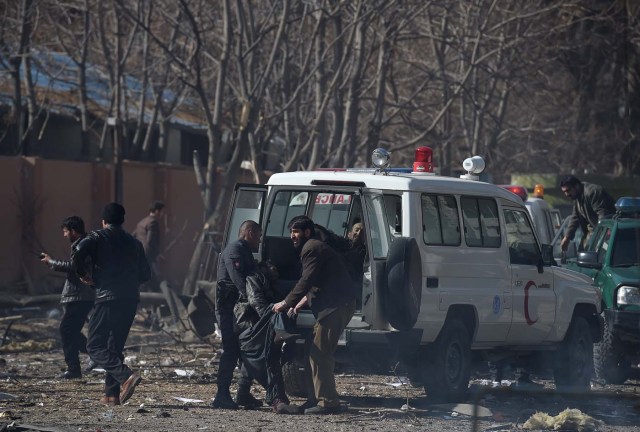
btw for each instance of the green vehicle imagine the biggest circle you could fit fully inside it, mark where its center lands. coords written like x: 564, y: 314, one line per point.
x: 612, y: 259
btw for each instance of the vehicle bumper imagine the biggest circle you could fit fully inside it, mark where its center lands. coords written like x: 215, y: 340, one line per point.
x: 626, y: 324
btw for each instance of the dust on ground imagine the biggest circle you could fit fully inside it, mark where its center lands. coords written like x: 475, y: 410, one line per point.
x: 179, y: 382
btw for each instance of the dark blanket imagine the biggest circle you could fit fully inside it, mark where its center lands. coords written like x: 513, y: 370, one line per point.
x: 260, y: 352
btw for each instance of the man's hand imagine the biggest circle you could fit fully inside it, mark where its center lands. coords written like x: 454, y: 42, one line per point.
x: 45, y: 258
x: 564, y: 244
x: 87, y: 280
x: 279, y: 307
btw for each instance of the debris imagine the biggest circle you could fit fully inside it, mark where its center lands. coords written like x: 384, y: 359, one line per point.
x: 499, y: 428
x: 395, y: 384
x: 7, y: 396
x: 167, y: 362
x: 569, y: 419
x: 163, y: 414
x: 464, y: 409
x: 109, y: 415
x: 187, y: 400
x: 13, y: 426
x: 130, y: 359
x: 185, y: 372
x: 7, y: 415
x: 29, y: 345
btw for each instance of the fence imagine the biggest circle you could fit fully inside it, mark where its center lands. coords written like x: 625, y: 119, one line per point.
x: 37, y: 194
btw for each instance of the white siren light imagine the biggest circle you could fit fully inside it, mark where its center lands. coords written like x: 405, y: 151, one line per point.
x: 474, y: 166
x: 380, y: 158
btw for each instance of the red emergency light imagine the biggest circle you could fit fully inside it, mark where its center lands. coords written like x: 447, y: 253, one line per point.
x: 521, y: 191
x: 423, y: 161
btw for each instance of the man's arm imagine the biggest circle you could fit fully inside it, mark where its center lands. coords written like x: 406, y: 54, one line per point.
x: 86, y: 248
x: 57, y: 265
x: 574, y: 223
x: 236, y: 263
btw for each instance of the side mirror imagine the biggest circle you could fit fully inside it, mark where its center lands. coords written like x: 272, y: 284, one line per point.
x: 589, y: 260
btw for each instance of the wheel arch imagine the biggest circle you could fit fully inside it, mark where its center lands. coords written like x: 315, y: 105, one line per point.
x: 467, y: 314
x: 590, y: 313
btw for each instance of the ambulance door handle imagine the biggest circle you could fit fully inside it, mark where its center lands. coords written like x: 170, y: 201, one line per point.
x: 432, y: 282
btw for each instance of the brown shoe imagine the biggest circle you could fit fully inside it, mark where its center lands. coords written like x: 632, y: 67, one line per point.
x: 110, y: 400
x: 127, y: 387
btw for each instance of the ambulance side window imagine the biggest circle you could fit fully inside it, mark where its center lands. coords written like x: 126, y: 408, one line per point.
x: 481, y: 223
x: 285, y: 206
x: 393, y: 206
x: 523, y: 248
x: 440, y: 221
x: 378, y: 223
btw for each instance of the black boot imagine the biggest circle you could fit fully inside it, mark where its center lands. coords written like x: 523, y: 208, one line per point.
x: 71, y: 374
x: 223, y: 400
x: 246, y: 399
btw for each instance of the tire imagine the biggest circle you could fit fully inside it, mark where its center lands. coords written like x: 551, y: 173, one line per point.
x: 609, y: 357
x: 573, y: 368
x: 402, y: 292
x: 293, y: 377
x: 448, y: 368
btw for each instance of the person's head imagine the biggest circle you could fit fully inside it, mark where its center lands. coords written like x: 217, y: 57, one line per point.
x: 113, y: 214
x: 301, y: 229
x: 356, y: 234
x: 156, y: 209
x: 73, y: 228
x: 251, y: 232
x: 571, y: 187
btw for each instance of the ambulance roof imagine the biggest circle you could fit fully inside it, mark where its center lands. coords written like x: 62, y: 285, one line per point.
x: 393, y: 181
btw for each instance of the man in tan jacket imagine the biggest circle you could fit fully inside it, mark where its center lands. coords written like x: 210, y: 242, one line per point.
x: 325, y: 284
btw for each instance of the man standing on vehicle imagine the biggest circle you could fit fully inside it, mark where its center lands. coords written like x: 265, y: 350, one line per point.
x: 590, y: 204
x: 235, y: 263
x: 325, y: 282
x: 77, y: 300
x: 120, y: 266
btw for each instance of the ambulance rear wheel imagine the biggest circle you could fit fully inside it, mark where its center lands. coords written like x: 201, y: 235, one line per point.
x: 448, y: 365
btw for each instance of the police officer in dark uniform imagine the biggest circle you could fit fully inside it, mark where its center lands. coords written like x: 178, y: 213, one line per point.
x: 234, y: 265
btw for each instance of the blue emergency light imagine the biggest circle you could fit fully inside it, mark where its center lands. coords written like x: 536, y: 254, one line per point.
x: 628, y: 205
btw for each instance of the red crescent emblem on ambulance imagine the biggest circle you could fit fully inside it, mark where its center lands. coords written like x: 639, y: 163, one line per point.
x: 526, y: 303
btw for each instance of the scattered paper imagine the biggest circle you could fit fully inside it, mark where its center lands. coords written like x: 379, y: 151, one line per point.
x: 185, y: 372
x: 187, y: 400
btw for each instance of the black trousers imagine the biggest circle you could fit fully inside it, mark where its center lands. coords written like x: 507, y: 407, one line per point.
x: 230, y: 347
x: 108, y: 331
x: 73, y: 341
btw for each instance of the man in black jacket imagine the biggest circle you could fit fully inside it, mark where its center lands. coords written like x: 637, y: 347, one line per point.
x: 234, y: 264
x: 120, y: 266
x: 591, y: 203
x: 77, y: 300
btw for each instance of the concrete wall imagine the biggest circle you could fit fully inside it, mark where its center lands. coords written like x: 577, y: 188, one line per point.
x: 37, y: 194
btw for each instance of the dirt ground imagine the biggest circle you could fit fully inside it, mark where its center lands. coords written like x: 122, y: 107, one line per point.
x: 31, y: 358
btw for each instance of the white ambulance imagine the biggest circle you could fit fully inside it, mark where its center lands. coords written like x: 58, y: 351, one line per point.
x: 454, y: 272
